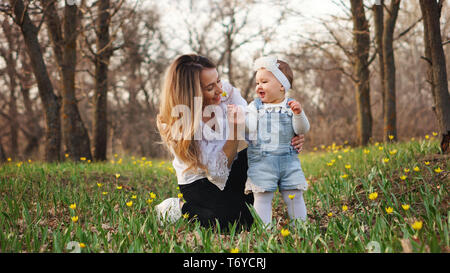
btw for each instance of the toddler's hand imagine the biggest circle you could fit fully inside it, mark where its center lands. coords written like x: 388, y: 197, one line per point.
x: 295, y: 106
x: 235, y: 114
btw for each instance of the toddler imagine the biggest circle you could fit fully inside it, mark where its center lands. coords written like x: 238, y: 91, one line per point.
x: 272, y: 121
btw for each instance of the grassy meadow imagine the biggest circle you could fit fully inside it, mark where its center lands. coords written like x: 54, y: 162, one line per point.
x: 387, y: 197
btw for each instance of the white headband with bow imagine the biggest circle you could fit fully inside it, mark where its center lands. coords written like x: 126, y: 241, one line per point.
x: 270, y: 63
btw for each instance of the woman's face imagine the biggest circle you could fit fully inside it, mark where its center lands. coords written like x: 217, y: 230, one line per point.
x: 268, y: 88
x: 211, y: 86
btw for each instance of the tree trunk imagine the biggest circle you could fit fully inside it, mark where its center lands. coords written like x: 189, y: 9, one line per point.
x: 101, y: 81
x: 378, y: 14
x: 2, y: 153
x: 389, y: 103
x: 45, y: 88
x: 433, y: 41
x: 64, y: 43
x: 12, y: 75
x: 32, y: 120
x: 361, y: 44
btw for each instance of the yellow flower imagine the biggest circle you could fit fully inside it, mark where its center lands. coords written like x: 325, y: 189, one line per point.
x: 405, y: 207
x: 82, y: 245
x: 74, y: 219
x: 117, y: 175
x: 403, y: 177
x: 83, y: 158
x: 380, y: 148
x: 224, y: 94
x: 330, y: 214
x: 344, y: 175
x: 180, y: 195
x: 348, y: 166
x: 406, y: 170
x: 234, y: 250
x: 344, y: 208
x: 391, y: 137
x: 427, y: 163
x: 9, y: 159
x: 366, y: 151
x: 129, y: 203
x: 29, y: 160
x: 315, y: 149
x: 376, y: 143
x: 285, y: 232
x: 412, y: 139
x: 119, y: 187
x: 152, y: 195
x: 133, y: 197
x: 389, y: 210
x: 186, y: 215
x: 393, y: 152
x: 373, y: 196
x: 73, y: 206
x: 416, y: 169
x: 291, y: 196
x: 105, y: 193
x: 66, y: 155
x: 427, y: 136
x: 340, y: 156
x: 116, y: 155
x: 417, y: 225
x: 99, y: 185
x: 330, y: 164
x: 435, y: 134
x: 385, y: 160
x: 438, y: 170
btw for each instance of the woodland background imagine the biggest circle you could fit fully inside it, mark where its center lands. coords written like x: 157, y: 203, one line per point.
x: 96, y: 68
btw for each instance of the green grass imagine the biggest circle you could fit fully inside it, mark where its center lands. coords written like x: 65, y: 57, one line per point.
x: 35, y: 199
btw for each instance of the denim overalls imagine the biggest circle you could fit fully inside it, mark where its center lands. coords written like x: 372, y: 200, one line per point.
x: 272, y: 161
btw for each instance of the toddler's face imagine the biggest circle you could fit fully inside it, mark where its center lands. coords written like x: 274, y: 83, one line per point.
x: 268, y: 88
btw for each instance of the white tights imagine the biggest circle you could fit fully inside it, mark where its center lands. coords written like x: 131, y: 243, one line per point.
x: 296, y: 207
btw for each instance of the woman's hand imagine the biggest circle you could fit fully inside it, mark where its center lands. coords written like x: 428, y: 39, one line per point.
x: 297, y: 142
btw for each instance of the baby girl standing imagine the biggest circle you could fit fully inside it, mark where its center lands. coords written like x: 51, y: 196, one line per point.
x: 272, y: 120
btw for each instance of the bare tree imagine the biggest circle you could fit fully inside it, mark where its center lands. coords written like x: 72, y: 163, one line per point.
x: 434, y: 54
x: 64, y: 38
x: 49, y: 99
x: 361, y: 43
x: 102, y: 57
x: 389, y: 103
x: 11, y: 61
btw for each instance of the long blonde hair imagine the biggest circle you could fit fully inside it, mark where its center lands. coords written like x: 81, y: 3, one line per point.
x: 181, y: 87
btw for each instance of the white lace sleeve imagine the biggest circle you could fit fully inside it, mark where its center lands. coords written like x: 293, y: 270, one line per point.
x: 218, y: 170
x: 232, y: 95
x: 216, y: 161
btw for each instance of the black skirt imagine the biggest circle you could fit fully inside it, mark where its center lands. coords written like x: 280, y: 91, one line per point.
x: 206, y: 203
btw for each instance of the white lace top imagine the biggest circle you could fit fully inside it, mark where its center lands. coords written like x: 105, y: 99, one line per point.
x: 211, y: 147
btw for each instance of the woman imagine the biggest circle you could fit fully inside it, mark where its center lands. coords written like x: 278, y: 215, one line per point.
x: 198, y: 114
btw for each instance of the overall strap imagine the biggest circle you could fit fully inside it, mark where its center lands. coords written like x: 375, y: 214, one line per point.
x: 258, y: 103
